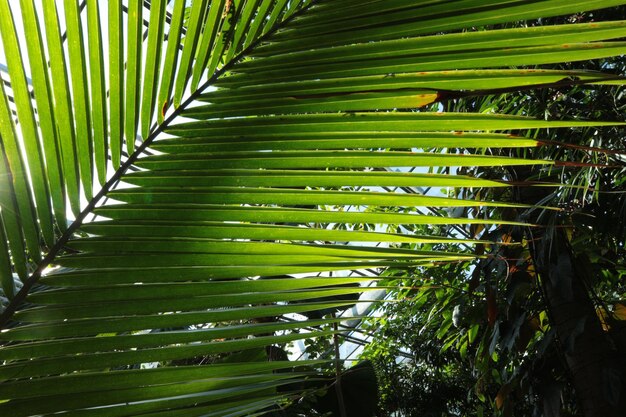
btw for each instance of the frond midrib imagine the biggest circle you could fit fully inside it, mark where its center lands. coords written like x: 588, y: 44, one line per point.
x: 60, y: 244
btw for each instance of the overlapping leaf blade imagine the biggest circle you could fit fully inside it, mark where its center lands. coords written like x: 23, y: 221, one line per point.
x: 199, y: 246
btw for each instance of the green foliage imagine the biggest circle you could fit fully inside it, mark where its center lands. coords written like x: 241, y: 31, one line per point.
x: 222, y: 169
x: 511, y: 357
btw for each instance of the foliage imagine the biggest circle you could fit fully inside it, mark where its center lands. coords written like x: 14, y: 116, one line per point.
x: 227, y: 151
x: 515, y: 364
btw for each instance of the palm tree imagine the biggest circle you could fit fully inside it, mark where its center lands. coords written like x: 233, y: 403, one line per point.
x: 199, y: 147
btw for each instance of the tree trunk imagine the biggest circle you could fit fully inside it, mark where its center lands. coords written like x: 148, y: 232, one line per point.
x: 595, y: 363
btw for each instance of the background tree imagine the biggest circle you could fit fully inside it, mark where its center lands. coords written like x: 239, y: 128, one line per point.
x: 504, y: 297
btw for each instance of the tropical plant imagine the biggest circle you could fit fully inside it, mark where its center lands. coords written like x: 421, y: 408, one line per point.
x: 208, y: 133
x: 493, y: 325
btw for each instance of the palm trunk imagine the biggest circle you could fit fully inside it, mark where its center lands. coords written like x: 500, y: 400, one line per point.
x: 595, y: 363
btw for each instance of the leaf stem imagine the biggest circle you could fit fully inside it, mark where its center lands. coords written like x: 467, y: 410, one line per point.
x: 21, y: 295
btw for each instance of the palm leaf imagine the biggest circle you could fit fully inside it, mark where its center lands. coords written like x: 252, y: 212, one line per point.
x: 252, y: 129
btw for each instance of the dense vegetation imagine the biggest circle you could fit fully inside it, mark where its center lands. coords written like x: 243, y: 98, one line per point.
x: 187, y: 188
x: 485, y: 343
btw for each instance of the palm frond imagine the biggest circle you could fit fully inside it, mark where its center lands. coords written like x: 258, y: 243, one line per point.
x: 251, y: 129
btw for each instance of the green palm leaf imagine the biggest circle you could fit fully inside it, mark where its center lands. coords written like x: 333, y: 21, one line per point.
x: 252, y: 128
